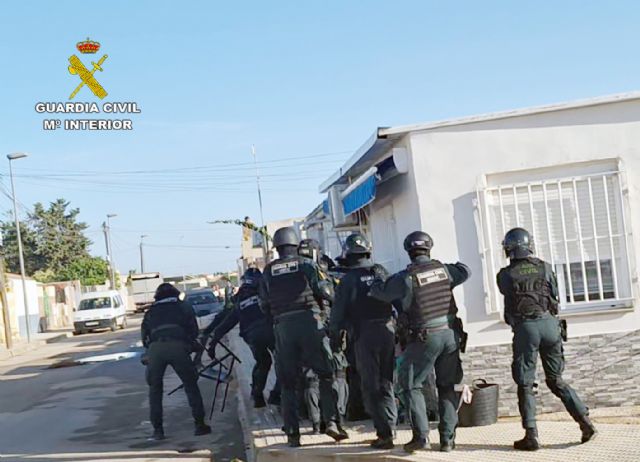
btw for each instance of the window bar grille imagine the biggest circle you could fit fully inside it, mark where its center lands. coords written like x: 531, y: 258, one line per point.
x: 515, y: 202
x: 504, y: 228
x: 533, y: 220
x: 614, y: 270
x: 595, y: 238
x: 585, y: 281
x: 546, y: 214
x: 624, y: 231
x: 566, y: 244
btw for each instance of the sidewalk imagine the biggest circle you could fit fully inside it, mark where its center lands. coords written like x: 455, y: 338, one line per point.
x: 37, y: 340
x: 265, y: 441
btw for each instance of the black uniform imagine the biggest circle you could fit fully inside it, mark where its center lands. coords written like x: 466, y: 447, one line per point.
x: 530, y: 294
x: 423, y: 295
x: 371, y: 322
x: 256, y: 330
x: 290, y: 293
x: 169, y: 329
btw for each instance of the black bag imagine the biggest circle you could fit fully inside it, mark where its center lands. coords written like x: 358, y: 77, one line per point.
x: 483, y: 409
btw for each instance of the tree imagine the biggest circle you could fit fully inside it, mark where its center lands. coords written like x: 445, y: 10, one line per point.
x: 90, y: 271
x: 53, y: 240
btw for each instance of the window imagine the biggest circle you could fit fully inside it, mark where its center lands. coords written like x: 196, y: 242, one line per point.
x: 578, y: 226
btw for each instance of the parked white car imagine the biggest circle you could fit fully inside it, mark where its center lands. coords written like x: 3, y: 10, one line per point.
x: 100, y: 310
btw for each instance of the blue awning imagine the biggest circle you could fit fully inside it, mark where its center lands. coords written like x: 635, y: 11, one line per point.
x: 361, y: 196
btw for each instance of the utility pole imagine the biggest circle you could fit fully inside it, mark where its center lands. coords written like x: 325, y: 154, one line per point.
x: 265, y: 244
x: 6, y: 317
x: 12, y: 157
x: 142, y: 253
x: 110, y: 251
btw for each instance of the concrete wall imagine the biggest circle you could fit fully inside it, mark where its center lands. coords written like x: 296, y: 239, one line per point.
x: 15, y: 299
x: 438, y: 193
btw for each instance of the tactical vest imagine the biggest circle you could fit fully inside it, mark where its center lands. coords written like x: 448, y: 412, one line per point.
x: 289, y: 288
x: 166, y: 320
x: 529, y: 295
x: 364, y: 307
x: 248, y: 306
x: 432, y: 295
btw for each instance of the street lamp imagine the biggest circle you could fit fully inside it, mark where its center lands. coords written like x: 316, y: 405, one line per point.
x: 111, y: 264
x: 142, y: 253
x: 16, y: 156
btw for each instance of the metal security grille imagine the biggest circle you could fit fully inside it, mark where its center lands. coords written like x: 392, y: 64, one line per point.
x: 578, y: 225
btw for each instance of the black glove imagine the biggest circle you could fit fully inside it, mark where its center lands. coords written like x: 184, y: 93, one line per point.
x: 144, y: 359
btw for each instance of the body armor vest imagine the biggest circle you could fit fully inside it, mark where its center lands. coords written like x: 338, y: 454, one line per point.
x: 248, y: 306
x: 432, y: 295
x: 529, y: 295
x: 289, y: 288
x: 367, y: 308
x: 166, y: 320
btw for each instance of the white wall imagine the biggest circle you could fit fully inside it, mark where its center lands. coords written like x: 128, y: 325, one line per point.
x: 448, y: 162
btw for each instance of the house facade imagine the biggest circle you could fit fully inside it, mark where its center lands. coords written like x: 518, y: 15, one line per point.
x: 569, y: 173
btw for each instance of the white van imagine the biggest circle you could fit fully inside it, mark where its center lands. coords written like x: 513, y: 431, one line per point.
x: 100, y: 310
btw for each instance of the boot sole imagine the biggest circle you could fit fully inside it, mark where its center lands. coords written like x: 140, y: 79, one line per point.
x: 591, y: 438
x: 336, y: 435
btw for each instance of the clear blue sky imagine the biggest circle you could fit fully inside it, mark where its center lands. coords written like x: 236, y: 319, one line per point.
x: 294, y: 78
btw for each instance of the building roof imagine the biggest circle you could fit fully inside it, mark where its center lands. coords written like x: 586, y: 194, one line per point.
x: 384, y: 137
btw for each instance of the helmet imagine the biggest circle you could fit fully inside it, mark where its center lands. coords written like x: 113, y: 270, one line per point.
x: 285, y: 236
x: 166, y: 290
x: 309, y: 248
x: 251, y: 277
x: 517, y: 243
x: 356, y: 244
x: 418, y: 240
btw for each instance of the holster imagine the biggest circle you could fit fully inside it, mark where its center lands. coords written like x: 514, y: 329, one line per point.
x: 458, y: 327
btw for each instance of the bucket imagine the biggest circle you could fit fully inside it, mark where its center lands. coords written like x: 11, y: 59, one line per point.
x: 483, y: 409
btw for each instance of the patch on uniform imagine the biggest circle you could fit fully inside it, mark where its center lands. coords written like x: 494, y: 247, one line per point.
x: 367, y: 279
x: 429, y: 277
x: 284, y: 268
x: 248, y: 302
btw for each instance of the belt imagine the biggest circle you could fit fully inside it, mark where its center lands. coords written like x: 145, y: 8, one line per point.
x: 430, y: 330
x: 283, y: 316
x: 168, y: 339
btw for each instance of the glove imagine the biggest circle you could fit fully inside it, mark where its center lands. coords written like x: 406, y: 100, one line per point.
x: 144, y: 359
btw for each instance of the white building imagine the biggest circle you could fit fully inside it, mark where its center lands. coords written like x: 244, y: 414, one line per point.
x: 568, y: 172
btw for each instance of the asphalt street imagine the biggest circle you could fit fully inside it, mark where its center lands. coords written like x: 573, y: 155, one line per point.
x: 53, y: 410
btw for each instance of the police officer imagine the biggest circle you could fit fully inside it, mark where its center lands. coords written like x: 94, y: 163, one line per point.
x: 423, y: 294
x: 530, y: 294
x: 169, y: 331
x: 291, y: 292
x: 255, y: 329
x: 372, y: 324
x: 310, y: 248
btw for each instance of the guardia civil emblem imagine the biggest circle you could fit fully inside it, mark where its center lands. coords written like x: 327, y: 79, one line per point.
x: 86, y: 76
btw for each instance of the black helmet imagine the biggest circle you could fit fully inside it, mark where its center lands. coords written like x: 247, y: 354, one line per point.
x: 251, y: 277
x: 309, y: 248
x: 418, y: 240
x: 356, y: 244
x: 166, y: 290
x: 285, y: 236
x: 517, y: 243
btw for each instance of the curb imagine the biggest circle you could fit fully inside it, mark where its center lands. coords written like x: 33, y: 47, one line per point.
x: 243, y: 414
x: 59, y: 337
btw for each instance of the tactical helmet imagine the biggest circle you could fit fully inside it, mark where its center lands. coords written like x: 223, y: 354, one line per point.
x: 251, y: 277
x: 517, y: 243
x: 418, y: 240
x: 285, y: 236
x: 356, y: 244
x: 309, y: 248
x: 166, y: 290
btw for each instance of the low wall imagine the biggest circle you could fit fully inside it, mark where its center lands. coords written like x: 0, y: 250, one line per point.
x: 604, y: 370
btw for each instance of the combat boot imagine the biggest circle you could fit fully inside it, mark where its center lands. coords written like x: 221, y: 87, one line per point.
x: 447, y: 445
x: 258, y: 401
x: 383, y: 443
x: 416, y: 444
x: 336, y: 433
x: 315, y: 428
x: 293, y: 441
x: 158, y: 434
x: 529, y: 442
x: 201, y: 428
x: 588, y: 430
